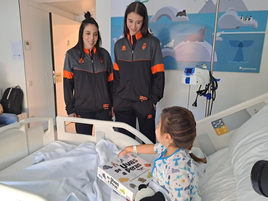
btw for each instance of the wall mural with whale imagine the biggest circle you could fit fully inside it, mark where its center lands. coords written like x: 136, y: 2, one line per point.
x: 186, y: 38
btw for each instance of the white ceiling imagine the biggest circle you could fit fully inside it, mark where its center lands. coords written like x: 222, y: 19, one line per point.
x: 77, y: 7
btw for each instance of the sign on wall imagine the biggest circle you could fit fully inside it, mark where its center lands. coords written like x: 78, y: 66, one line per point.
x: 185, y: 30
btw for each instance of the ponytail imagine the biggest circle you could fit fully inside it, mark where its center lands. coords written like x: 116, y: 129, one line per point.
x: 198, y: 160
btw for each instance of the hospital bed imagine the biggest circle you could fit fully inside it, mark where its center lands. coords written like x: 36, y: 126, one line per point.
x: 233, y: 141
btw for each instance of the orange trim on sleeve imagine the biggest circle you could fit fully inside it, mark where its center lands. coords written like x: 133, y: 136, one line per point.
x: 67, y: 74
x: 116, y: 66
x: 111, y: 77
x: 157, y: 68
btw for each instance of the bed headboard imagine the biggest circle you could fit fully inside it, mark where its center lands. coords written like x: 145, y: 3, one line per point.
x: 214, y: 132
x: 18, y: 141
x: 102, y: 130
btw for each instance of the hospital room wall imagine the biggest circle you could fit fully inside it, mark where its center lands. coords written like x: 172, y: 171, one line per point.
x: 234, y: 88
x: 12, y: 71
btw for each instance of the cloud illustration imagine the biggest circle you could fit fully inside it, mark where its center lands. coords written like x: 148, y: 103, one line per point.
x: 170, y: 13
x: 231, y: 20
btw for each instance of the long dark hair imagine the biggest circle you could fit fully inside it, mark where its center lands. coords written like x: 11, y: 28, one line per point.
x: 179, y: 122
x: 141, y: 10
x: 80, y: 43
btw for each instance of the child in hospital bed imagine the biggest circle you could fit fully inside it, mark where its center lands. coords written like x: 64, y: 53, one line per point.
x: 174, y: 169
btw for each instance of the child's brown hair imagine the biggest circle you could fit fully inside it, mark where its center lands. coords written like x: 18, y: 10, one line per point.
x: 179, y: 122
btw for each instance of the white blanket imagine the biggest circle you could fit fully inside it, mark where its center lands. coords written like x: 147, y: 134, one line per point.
x: 68, y: 173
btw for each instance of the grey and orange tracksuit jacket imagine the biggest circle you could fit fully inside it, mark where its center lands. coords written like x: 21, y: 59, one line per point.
x: 87, y: 82
x: 138, y: 69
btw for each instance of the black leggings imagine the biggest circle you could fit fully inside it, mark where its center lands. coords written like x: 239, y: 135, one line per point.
x: 127, y: 112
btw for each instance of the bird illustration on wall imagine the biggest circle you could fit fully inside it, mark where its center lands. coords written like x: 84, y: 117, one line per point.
x: 170, y: 44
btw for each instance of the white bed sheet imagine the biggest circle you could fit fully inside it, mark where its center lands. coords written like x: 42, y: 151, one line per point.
x: 218, y: 182
x: 67, y: 173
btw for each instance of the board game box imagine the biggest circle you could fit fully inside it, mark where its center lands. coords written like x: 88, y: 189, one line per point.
x: 125, y: 173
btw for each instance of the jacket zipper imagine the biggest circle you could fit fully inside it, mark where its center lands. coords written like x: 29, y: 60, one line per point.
x: 94, y: 80
x: 132, y: 52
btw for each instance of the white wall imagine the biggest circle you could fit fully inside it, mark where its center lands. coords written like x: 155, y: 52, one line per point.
x: 12, y: 72
x: 103, y: 18
x: 234, y: 88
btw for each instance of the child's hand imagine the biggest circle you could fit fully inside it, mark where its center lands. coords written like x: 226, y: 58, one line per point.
x: 126, y: 150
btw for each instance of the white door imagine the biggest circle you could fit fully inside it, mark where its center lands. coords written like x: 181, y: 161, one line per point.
x: 65, y: 36
x: 40, y: 90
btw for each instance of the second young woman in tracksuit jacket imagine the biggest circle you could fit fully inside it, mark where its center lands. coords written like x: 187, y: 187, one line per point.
x: 138, y: 72
x: 88, y: 77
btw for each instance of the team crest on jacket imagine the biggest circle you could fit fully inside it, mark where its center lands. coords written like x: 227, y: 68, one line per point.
x: 144, y: 46
x: 124, y: 48
x: 101, y: 60
x: 81, y: 60
x: 105, y: 106
x: 143, y: 98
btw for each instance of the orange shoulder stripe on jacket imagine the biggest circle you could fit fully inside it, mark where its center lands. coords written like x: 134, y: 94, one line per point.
x: 157, y: 68
x: 116, y: 66
x: 111, y: 77
x: 67, y: 74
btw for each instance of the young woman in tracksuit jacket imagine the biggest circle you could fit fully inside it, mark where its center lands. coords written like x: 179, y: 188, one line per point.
x: 138, y: 72
x: 88, y: 77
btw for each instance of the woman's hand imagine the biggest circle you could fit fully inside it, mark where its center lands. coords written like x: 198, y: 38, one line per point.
x: 126, y: 150
x: 72, y: 115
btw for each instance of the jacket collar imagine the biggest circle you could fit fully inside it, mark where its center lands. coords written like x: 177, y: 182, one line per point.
x: 137, y: 35
x: 88, y: 52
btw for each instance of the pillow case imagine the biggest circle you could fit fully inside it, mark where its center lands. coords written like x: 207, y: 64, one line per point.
x: 248, y: 145
x: 256, y: 124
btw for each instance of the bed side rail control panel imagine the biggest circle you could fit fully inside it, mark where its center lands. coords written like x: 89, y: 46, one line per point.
x: 219, y: 127
x: 235, y: 120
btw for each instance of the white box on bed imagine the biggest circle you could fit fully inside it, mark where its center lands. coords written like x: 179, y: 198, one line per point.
x: 125, y: 173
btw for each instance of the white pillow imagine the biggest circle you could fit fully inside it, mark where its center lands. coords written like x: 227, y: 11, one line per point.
x: 248, y: 145
x: 257, y: 123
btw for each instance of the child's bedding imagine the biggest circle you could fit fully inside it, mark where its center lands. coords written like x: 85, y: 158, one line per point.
x: 63, y: 171
x: 218, y: 182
